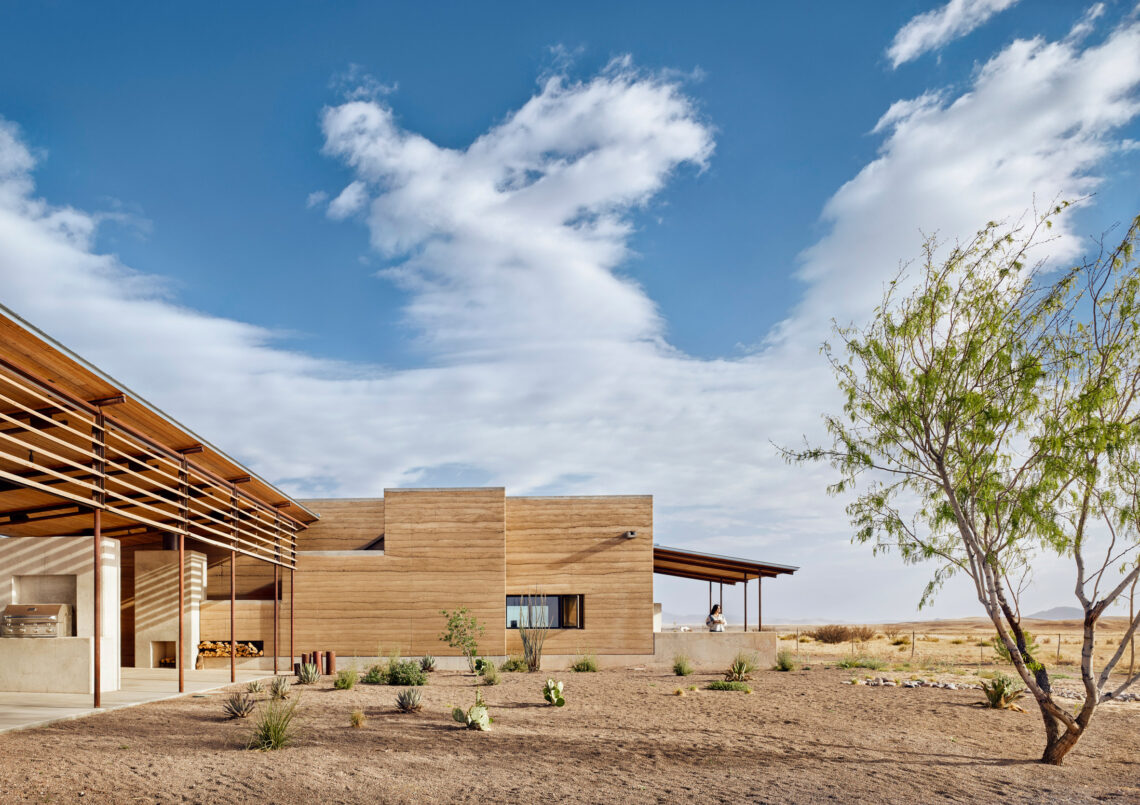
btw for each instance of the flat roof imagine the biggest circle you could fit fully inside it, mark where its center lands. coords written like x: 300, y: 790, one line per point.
x: 713, y: 567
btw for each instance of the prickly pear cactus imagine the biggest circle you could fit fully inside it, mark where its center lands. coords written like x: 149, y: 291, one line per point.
x: 552, y: 692
x: 476, y: 717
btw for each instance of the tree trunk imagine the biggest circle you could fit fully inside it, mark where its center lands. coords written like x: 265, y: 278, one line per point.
x: 1055, y: 750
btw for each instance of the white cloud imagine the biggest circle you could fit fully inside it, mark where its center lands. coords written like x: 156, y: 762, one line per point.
x: 545, y: 369
x: 351, y: 200
x: 933, y: 30
x: 316, y: 198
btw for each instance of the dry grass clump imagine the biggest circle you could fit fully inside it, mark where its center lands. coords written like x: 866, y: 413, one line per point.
x: 833, y: 633
x: 356, y: 719
x: 682, y: 665
x: 860, y: 634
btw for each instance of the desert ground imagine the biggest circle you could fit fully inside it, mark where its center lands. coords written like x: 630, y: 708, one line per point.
x: 623, y: 736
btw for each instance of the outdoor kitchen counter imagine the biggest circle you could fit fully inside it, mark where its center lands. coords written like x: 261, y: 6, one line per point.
x: 50, y: 665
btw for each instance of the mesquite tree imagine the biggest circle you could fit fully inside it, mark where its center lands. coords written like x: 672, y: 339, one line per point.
x: 990, y: 417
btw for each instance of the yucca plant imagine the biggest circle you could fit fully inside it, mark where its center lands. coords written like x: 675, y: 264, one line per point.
x: 256, y: 686
x: 1001, y: 693
x: 742, y: 667
x: 309, y: 674
x: 273, y: 728
x: 239, y: 705
x: 356, y: 719
x: 427, y: 663
x: 409, y: 700
x: 280, y: 688
x: 346, y: 679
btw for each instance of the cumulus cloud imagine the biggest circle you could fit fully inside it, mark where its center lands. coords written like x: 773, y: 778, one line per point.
x: 544, y: 368
x: 933, y: 30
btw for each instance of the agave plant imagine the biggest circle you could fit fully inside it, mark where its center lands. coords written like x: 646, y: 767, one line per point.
x: 552, y: 692
x: 1001, y: 693
x: 409, y: 700
x: 255, y: 687
x: 239, y: 705
x: 427, y: 663
x: 309, y: 674
x: 742, y: 667
x: 279, y: 688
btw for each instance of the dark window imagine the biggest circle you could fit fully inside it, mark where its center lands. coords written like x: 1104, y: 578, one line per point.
x: 552, y: 611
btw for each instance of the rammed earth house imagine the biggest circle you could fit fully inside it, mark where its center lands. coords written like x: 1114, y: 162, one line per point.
x: 170, y: 554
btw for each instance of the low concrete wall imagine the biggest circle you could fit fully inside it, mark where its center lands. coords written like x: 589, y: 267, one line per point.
x: 713, y: 651
x: 49, y: 665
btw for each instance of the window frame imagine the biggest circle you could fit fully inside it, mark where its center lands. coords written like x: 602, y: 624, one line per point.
x: 560, y: 600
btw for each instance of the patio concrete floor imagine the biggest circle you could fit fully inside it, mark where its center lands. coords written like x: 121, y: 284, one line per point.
x: 19, y: 711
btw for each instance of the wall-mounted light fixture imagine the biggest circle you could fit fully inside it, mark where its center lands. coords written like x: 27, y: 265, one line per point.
x: 629, y: 534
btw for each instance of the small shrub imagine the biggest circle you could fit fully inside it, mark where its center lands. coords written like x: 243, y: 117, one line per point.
x: 692, y: 687
x: 1001, y: 651
x: 679, y: 692
x: 491, y: 675
x: 552, y: 692
x: 957, y: 641
x: 891, y: 632
x: 346, y: 679
x: 1001, y: 693
x: 901, y: 640
x: 376, y: 675
x: 832, y: 634
x: 356, y: 719
x: 427, y: 663
x: 861, y: 634
x: 406, y: 673
x: 309, y: 674
x: 480, y: 664
x: 785, y: 661
x: 725, y: 684
x: 805, y: 639
x: 409, y: 700
x: 585, y: 663
x: 255, y: 687
x: 742, y: 666
x: 462, y: 632
x: 274, y: 727
x: 513, y: 664
x: 873, y: 663
x: 280, y: 688
x: 682, y: 666
x: 239, y: 705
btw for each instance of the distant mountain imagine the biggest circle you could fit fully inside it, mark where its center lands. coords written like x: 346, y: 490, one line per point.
x: 1059, y: 614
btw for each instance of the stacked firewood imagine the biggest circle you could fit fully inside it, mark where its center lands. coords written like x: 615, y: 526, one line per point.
x: 209, y: 648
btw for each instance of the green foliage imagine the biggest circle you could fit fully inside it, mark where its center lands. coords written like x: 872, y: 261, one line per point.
x: 356, y: 719
x: 1001, y: 692
x: 725, y: 684
x: 742, y: 667
x: 481, y: 664
x: 239, y: 705
x: 280, y: 688
x: 873, y: 663
x: 405, y: 672
x: 346, y: 679
x: 427, y: 663
x: 833, y: 633
x: 409, y: 700
x: 682, y: 665
x: 1001, y: 650
x: 475, y: 717
x: 309, y: 674
x: 256, y: 686
x: 462, y: 632
x: 375, y: 675
x: 491, y: 674
x: 785, y: 661
x: 587, y: 662
x: 552, y: 692
x: 514, y: 664
x: 274, y: 728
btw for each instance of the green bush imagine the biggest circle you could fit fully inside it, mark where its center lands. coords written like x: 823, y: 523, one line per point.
x: 376, y: 675
x: 727, y: 684
x: 682, y: 666
x: 785, y: 661
x: 1002, y: 652
x: 586, y: 663
x: 873, y: 663
x: 514, y: 664
x: 346, y: 679
x: 274, y: 728
x: 742, y: 666
x: 491, y: 674
x: 406, y: 672
x: 462, y: 632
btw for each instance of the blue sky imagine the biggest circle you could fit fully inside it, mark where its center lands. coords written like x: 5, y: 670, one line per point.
x: 657, y: 350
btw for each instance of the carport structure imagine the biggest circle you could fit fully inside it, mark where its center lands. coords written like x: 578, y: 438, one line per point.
x: 82, y: 456
x: 719, y: 570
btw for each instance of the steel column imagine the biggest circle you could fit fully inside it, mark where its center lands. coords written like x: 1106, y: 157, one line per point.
x: 98, y: 596
x: 292, y: 593
x: 760, y: 604
x: 181, y: 613
x: 746, y: 605
x: 276, y: 613
x: 233, y: 630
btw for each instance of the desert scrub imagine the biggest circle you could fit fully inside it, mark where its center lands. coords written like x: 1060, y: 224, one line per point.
x: 280, y: 688
x: 785, y: 661
x: 255, y: 687
x: 742, y: 667
x: 309, y: 674
x: 427, y: 663
x: 491, y: 674
x: 409, y: 700
x: 726, y: 684
x: 346, y: 679
x: 860, y: 634
x: 376, y: 675
x: 873, y: 663
x: 514, y: 664
x: 901, y: 640
x: 552, y: 692
x: 356, y: 719
x: 239, y: 705
x: 682, y: 665
x: 833, y: 633
x: 406, y: 672
x: 585, y: 663
x: 273, y: 727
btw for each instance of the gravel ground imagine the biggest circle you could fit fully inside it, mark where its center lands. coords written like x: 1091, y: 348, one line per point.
x: 622, y: 737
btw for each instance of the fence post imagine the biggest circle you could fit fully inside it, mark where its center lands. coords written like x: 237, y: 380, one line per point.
x: 1058, y: 648
x: 913, y: 641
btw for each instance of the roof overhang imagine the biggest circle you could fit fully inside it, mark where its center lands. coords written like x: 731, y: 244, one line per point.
x: 712, y: 567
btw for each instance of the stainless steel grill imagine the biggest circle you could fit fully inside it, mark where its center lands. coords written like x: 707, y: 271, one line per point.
x: 36, y: 620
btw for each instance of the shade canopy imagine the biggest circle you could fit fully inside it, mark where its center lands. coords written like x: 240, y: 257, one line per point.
x: 712, y: 567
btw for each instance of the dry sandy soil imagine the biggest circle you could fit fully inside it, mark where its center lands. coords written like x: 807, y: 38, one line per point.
x: 622, y: 737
